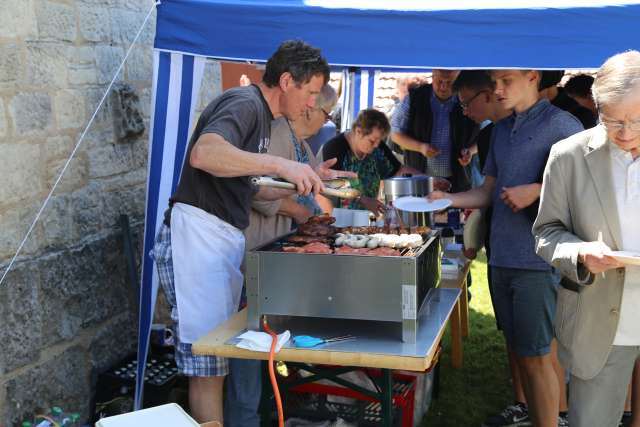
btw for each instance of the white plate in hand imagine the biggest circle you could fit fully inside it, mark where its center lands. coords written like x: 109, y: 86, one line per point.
x: 627, y: 257
x: 420, y: 204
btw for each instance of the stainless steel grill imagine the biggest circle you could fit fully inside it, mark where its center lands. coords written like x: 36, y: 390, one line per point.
x: 378, y: 288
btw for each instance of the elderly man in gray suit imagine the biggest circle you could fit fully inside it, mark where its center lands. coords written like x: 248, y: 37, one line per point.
x: 590, y: 207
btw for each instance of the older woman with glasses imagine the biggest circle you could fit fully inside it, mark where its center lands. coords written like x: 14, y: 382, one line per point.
x: 589, y: 210
x: 322, y: 127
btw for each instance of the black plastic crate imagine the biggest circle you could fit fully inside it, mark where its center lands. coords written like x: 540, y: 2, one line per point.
x: 116, y: 386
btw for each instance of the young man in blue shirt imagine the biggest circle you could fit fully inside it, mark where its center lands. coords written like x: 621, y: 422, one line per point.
x: 524, y: 284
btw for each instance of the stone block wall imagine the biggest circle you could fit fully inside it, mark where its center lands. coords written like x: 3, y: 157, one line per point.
x: 67, y: 310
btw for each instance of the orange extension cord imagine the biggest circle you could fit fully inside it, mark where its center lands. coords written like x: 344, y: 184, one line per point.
x: 272, y: 373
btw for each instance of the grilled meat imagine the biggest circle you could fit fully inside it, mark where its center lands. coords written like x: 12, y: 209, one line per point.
x: 316, y: 230
x: 321, y: 219
x: 306, y: 239
x: 382, y: 251
x: 309, y: 248
x: 317, y: 248
x: 347, y: 250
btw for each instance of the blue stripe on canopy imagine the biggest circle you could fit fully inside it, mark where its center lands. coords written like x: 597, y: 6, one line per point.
x: 153, y: 186
x: 177, y: 80
x: 357, y: 81
x: 184, y: 122
x: 371, y: 85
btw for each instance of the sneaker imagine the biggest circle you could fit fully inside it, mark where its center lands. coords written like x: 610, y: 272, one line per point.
x: 512, y: 416
x: 626, y: 419
x: 563, y: 421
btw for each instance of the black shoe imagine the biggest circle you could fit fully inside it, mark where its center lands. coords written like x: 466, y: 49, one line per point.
x: 563, y: 420
x: 512, y: 416
x: 626, y: 419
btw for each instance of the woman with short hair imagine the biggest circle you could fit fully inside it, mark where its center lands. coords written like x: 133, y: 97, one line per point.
x: 360, y: 150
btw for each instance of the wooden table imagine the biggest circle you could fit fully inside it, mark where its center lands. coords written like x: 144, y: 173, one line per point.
x: 460, y: 318
x: 217, y: 343
x: 436, y: 312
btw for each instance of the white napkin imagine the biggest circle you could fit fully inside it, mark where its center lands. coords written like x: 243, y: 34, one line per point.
x: 261, y: 341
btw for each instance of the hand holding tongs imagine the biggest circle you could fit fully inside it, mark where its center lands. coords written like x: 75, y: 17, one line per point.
x: 307, y: 341
x: 334, y: 187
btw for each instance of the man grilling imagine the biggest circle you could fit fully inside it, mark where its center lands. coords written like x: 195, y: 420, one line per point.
x: 200, y: 246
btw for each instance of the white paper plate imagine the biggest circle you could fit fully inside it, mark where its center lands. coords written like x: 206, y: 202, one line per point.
x: 627, y: 257
x: 420, y: 204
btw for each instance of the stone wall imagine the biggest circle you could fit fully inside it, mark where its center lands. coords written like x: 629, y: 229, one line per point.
x: 67, y: 310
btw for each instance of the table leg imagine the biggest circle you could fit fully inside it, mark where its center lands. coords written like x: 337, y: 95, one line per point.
x: 464, y: 315
x: 456, y: 334
x: 386, y: 398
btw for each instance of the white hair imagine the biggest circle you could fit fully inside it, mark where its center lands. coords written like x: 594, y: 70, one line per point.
x: 327, y: 98
x: 617, y: 78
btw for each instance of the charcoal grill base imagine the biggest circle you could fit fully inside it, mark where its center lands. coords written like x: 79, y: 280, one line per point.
x: 356, y: 287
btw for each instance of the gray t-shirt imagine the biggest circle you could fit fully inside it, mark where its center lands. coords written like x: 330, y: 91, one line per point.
x: 519, y: 149
x: 242, y: 117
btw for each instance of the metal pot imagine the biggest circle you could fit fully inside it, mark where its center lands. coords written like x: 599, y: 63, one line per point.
x: 419, y: 186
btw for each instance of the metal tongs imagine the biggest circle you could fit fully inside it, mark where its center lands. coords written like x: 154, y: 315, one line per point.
x: 332, y: 187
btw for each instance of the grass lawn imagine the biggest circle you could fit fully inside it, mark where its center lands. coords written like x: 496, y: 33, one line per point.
x: 482, y: 386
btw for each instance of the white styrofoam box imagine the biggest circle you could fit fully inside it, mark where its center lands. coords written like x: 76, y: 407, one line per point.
x: 350, y: 217
x: 169, y: 415
x: 360, y: 218
x: 344, y: 217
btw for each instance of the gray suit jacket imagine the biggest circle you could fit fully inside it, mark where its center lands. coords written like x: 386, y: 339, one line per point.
x: 576, y: 203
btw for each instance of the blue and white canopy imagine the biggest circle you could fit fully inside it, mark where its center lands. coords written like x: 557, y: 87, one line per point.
x: 539, y: 34
x: 368, y: 35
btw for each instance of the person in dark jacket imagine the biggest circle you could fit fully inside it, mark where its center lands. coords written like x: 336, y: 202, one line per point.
x: 579, y: 88
x: 560, y: 98
x: 432, y: 130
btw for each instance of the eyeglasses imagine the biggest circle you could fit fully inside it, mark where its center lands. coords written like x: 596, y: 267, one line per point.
x: 465, y: 105
x: 327, y: 116
x: 617, y: 126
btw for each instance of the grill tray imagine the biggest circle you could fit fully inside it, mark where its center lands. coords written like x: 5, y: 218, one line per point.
x: 362, y: 287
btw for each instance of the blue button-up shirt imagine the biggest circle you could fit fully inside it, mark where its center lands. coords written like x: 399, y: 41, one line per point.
x: 520, y: 146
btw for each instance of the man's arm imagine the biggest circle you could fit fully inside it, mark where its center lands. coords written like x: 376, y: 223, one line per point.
x: 411, y: 144
x: 520, y: 196
x: 213, y: 154
x: 556, y: 242
x: 325, y: 203
x: 479, y: 197
x: 293, y: 209
x: 282, y: 206
x: 399, y: 127
x: 466, y: 154
x: 269, y: 194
